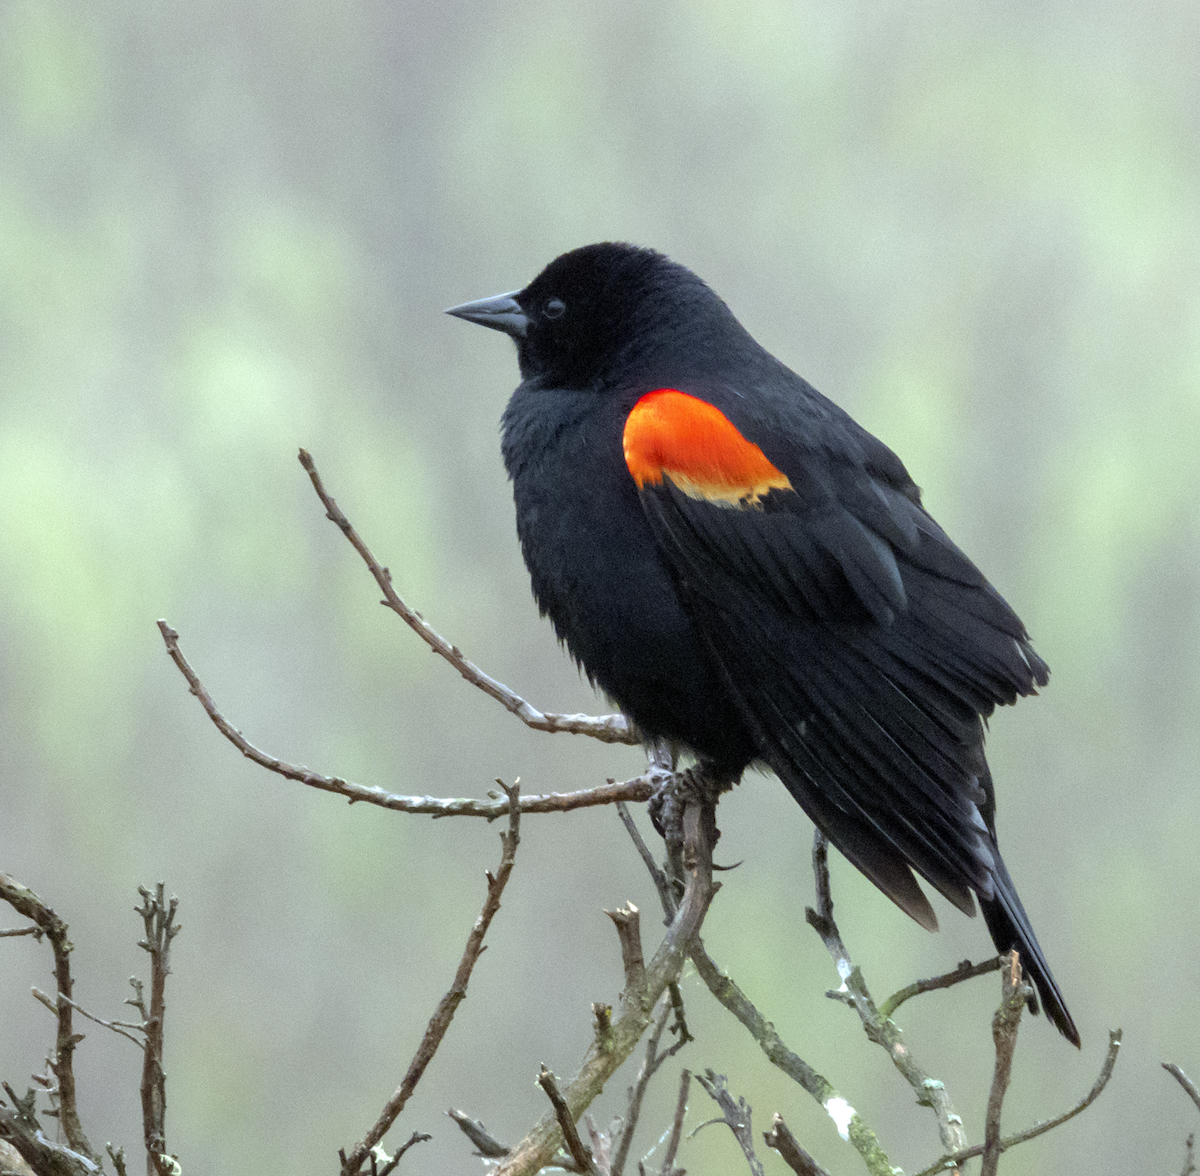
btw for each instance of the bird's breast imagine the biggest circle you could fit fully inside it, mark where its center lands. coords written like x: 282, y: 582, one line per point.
x: 597, y: 573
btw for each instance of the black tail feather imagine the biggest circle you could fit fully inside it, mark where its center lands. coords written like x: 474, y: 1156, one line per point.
x: 1010, y: 927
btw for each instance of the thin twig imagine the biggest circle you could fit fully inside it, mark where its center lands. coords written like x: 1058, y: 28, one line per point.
x: 639, y: 789
x: 606, y: 728
x: 960, y: 1157
x: 930, y: 1091
x: 390, y: 1163
x: 26, y: 903
x: 578, y: 1153
x: 788, y: 1146
x: 21, y: 931
x: 736, y: 1115
x: 666, y: 894
x: 668, y: 1168
x: 632, y: 1015
x: 1005, y: 1024
x: 444, y: 1014
x: 118, y: 1027
x: 965, y: 971
x: 1184, y: 1081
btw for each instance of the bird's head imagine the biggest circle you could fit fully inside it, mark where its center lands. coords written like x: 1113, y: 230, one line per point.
x: 601, y: 311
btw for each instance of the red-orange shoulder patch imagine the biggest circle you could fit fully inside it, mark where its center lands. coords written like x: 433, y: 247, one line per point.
x: 671, y: 434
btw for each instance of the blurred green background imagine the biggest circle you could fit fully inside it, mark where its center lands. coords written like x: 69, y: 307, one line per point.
x: 229, y: 229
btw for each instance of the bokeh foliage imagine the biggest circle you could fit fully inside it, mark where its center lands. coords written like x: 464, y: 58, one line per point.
x: 227, y: 230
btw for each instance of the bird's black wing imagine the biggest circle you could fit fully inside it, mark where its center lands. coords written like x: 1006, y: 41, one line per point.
x: 864, y: 650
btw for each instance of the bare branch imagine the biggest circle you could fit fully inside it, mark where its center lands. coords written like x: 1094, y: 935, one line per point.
x: 390, y: 1163
x: 680, y: 1025
x: 634, y: 1011
x: 627, y: 922
x: 118, y: 1027
x: 1189, y: 1157
x: 637, y: 1092
x: 849, y: 1124
x: 650, y: 1066
x: 639, y: 789
x: 19, y: 1127
x: 606, y: 728
x: 21, y: 931
x: 1184, y: 1081
x: 158, y: 918
x: 960, y: 1157
x: 736, y: 1114
x: 1005, y: 1023
x: 26, y: 903
x: 665, y: 893
x: 965, y: 971
x: 439, y: 1023
x: 788, y: 1146
x: 488, y: 1145
x: 601, y: 1156
x: 930, y: 1091
x: 580, y: 1154
x: 668, y: 1168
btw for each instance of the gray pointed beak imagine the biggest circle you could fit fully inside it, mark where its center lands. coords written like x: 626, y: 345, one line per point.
x: 501, y: 312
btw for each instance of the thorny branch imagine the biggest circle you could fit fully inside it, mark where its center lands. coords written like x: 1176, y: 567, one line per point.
x: 606, y: 728
x: 444, y: 1013
x: 641, y: 788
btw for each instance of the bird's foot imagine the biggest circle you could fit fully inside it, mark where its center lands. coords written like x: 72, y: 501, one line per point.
x: 704, y: 783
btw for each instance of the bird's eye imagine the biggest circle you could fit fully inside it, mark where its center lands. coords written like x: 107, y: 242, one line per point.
x: 554, y: 308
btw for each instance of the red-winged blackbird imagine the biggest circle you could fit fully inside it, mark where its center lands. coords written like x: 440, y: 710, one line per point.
x: 750, y: 574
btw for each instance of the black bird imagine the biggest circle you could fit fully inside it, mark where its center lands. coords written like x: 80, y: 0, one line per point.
x: 751, y: 575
